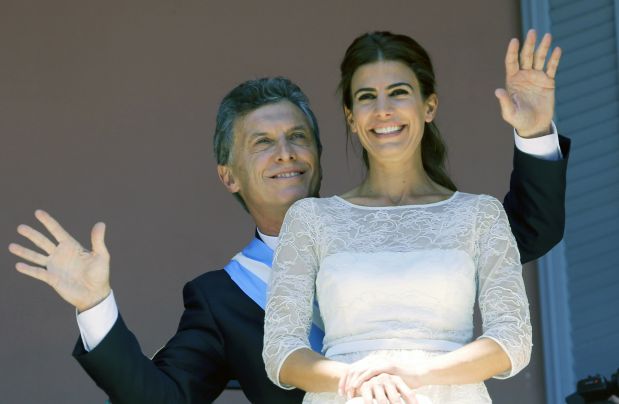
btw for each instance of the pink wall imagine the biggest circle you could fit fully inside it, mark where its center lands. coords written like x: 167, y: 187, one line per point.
x: 107, y: 112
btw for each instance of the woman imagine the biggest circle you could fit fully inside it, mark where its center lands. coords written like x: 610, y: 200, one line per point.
x: 396, y: 262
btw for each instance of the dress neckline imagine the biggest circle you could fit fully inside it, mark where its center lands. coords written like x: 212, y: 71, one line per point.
x: 421, y: 205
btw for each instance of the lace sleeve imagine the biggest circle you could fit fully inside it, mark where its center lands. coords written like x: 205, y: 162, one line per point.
x: 288, y: 314
x: 502, y: 297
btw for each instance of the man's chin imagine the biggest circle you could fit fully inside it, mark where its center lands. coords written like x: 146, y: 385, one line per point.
x: 288, y: 198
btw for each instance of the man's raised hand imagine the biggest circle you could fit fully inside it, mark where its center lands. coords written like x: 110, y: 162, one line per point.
x: 527, y: 102
x: 80, y: 277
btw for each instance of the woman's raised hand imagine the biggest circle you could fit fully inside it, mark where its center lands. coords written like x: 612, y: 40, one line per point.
x: 80, y: 277
x: 527, y: 102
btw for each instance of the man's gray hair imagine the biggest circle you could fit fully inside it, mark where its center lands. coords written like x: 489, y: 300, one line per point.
x: 249, y: 96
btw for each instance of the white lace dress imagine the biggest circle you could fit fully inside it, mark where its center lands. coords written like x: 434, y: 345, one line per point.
x: 397, y: 281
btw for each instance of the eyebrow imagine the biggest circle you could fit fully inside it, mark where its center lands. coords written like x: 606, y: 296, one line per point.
x: 401, y: 83
x: 258, y: 134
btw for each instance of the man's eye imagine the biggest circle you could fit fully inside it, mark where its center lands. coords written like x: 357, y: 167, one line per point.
x: 298, y: 135
x: 263, y: 141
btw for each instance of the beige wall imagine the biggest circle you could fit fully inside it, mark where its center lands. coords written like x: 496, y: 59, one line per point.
x: 106, y: 113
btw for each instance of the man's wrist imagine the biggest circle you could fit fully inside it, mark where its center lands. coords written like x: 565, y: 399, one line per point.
x: 535, y: 132
x: 544, y: 147
x: 95, y: 302
x: 96, y: 323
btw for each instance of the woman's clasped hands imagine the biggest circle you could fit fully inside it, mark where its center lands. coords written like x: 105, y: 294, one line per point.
x: 379, y: 380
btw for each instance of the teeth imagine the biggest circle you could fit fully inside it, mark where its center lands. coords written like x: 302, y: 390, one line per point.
x: 388, y: 129
x: 288, y: 175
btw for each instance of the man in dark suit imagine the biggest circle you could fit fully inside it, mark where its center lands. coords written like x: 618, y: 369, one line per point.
x: 267, y: 146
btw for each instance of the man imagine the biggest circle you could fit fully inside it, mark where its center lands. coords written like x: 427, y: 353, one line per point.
x: 267, y: 147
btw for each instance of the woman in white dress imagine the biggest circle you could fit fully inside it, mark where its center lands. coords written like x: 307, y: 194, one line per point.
x: 396, y: 263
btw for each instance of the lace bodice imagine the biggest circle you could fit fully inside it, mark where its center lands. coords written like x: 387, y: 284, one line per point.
x: 401, y: 277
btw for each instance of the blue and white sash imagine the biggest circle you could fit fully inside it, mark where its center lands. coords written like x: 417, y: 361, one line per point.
x: 251, y: 270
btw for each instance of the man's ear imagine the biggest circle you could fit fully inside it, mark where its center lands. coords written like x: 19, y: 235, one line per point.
x: 228, y: 179
x: 431, y: 107
x: 349, y: 119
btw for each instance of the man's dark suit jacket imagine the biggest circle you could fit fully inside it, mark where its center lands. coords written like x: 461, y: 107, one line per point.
x: 219, y: 337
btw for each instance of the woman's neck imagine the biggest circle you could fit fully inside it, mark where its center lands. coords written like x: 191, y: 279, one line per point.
x: 397, y: 183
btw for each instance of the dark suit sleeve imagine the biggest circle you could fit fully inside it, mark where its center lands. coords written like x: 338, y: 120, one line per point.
x: 190, y: 368
x: 535, y: 203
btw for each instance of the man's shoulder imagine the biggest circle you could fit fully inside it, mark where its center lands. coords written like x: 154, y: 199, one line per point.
x: 219, y: 289
x: 212, y: 281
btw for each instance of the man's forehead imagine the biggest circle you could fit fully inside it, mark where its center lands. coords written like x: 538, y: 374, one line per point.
x: 282, y: 116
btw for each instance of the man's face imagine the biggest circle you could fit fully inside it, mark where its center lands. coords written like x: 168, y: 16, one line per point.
x: 275, y: 159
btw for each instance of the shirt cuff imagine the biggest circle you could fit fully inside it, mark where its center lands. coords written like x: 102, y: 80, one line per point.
x: 543, y: 147
x: 96, y: 322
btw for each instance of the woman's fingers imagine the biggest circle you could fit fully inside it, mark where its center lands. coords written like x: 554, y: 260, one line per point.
x: 378, y: 391
x: 406, y: 393
x: 553, y: 63
x: 366, y: 393
x: 28, y: 254
x: 37, y: 238
x: 385, y: 388
x: 52, y: 226
x: 526, y: 54
x: 392, y: 393
x: 340, y: 384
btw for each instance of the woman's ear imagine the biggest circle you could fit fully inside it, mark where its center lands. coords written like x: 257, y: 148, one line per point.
x: 228, y: 179
x: 431, y: 107
x: 349, y: 119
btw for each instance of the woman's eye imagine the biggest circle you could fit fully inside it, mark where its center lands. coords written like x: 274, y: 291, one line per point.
x: 366, y: 96
x: 398, y: 91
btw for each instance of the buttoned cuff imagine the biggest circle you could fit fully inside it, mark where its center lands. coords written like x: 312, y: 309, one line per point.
x: 96, y: 322
x: 543, y: 147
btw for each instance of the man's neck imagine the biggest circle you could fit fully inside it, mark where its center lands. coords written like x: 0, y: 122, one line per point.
x: 270, y: 241
x: 269, y: 223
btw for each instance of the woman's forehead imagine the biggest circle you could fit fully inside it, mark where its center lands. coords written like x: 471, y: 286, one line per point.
x: 383, y: 74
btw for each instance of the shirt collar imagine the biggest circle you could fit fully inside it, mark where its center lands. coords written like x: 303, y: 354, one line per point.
x: 270, y: 241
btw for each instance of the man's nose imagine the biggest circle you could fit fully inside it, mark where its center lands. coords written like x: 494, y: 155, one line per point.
x: 285, y: 151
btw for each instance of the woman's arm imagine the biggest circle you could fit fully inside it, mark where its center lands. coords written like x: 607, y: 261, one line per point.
x: 310, y: 371
x: 287, y: 355
x: 504, y: 348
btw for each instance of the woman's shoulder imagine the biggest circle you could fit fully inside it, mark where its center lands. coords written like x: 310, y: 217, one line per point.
x: 480, y: 199
x: 316, y: 202
x: 487, y: 208
x: 309, y: 206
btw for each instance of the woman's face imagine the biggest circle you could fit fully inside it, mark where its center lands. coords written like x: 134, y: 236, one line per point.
x: 388, y: 111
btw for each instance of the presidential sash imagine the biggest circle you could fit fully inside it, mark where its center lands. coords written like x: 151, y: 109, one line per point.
x: 251, y: 270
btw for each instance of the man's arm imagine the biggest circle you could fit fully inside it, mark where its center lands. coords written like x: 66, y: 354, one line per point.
x: 535, y: 203
x: 189, y: 368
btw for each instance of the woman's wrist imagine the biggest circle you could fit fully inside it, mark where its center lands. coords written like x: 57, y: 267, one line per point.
x: 414, y: 375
